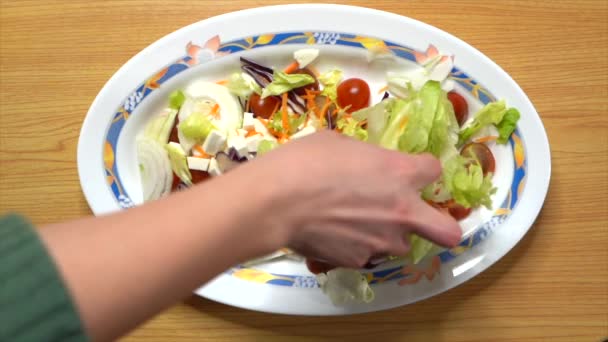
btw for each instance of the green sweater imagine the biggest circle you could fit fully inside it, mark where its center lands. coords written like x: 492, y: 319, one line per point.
x: 34, y: 303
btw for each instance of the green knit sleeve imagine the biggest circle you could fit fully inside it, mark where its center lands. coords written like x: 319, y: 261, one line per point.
x: 34, y: 303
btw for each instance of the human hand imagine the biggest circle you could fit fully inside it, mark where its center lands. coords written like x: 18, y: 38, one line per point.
x: 343, y: 201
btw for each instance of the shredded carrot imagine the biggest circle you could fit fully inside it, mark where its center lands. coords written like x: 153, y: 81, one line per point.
x: 251, y: 133
x: 486, y: 139
x: 383, y: 89
x: 201, y: 152
x: 292, y: 67
x: 222, y: 82
x: 284, y: 115
x: 324, y: 108
x: 215, y: 111
x: 310, y: 97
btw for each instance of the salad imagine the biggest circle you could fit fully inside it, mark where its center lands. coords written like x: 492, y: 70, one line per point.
x: 208, y: 128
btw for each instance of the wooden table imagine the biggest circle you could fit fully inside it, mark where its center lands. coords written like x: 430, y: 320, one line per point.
x: 56, y: 56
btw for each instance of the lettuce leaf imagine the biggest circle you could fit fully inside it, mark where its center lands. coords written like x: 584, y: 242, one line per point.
x: 330, y: 81
x: 419, y: 248
x: 376, y: 117
x: 465, y: 181
x: 243, y: 85
x: 415, y: 138
x: 176, y: 99
x: 276, y: 122
x: 283, y: 83
x: 179, y: 162
x: 490, y: 114
x: 343, y: 285
x: 197, y: 127
x: 266, y: 146
x: 351, y: 127
x: 507, y: 125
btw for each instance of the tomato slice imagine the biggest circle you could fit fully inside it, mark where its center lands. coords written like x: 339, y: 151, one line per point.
x: 458, y: 212
x: 461, y: 108
x: 482, y: 154
x: 353, y: 93
x: 316, y: 266
x: 263, y: 108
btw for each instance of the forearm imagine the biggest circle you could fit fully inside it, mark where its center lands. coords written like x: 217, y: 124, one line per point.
x: 124, y: 268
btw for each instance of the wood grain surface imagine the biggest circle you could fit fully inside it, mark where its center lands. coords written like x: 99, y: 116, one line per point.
x: 57, y: 55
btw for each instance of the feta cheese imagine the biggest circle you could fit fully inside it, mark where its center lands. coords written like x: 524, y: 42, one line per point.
x: 305, y: 56
x: 200, y: 164
x: 214, y: 169
x: 252, y: 142
x: 240, y: 145
x: 215, y: 142
x: 248, y: 121
x: 304, y: 132
x: 241, y: 132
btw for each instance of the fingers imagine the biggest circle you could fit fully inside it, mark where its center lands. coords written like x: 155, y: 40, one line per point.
x: 434, y: 225
x: 426, y: 169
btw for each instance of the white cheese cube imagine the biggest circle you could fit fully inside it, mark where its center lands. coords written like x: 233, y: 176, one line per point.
x: 215, y: 142
x: 241, y: 132
x: 304, y: 132
x: 253, y: 142
x: 201, y: 164
x: 214, y: 169
x: 240, y: 145
x: 305, y: 56
x: 248, y: 121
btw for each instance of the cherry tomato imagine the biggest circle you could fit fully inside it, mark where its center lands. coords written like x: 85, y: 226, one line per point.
x: 199, y: 176
x: 482, y: 154
x: 312, y: 86
x: 263, y: 108
x: 458, y: 212
x: 316, y: 266
x: 353, y: 92
x: 461, y: 108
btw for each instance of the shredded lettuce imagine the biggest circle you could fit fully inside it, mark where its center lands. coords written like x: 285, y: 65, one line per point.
x: 490, y: 114
x: 351, y: 127
x: 507, y: 125
x: 464, y: 179
x: 330, y: 81
x: 266, y: 146
x: 343, y: 285
x: 243, y: 85
x: 179, y: 162
x: 295, y: 121
x: 160, y: 127
x: 197, y: 127
x: 283, y: 83
x: 176, y: 99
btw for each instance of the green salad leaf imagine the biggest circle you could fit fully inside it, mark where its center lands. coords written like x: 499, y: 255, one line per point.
x: 351, y: 127
x: 197, y: 127
x: 283, y: 83
x: 330, y: 81
x: 490, y: 114
x: 507, y: 125
x: 343, y: 285
x: 243, y: 85
x: 176, y: 99
x: 464, y: 179
x: 179, y: 163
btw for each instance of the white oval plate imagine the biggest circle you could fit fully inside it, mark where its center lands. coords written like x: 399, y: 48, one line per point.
x: 210, y: 49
